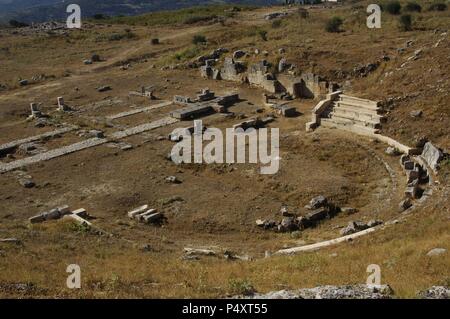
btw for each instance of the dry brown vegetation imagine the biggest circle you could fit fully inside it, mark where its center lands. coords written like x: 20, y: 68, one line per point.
x: 220, y: 203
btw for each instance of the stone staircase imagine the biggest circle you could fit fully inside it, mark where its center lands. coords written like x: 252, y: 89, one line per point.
x: 354, y: 114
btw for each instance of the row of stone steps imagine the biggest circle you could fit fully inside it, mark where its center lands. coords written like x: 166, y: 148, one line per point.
x: 361, y: 116
x: 348, y: 126
x: 355, y: 114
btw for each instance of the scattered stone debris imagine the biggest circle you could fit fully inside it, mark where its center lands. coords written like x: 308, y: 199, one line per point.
x: 239, y: 54
x: 10, y: 241
x: 35, y: 112
x: 365, y: 70
x: 201, y: 252
x: 274, y: 15
x: 436, y: 252
x: 319, y: 209
x: 283, y: 65
x: 120, y: 145
x: 349, y: 210
x: 231, y: 256
x: 27, y: 183
x: 196, y: 253
x: 62, y: 105
x: 144, y: 92
x: 416, y: 114
x: 104, y: 88
x: 405, y: 204
x: 357, y: 226
x: 91, y: 133
x: 31, y: 148
x: 80, y: 215
x: 173, y: 180
x: 435, y: 292
x: 392, y: 151
x: 202, y: 60
x: 432, y: 155
x: 329, y: 292
x: 253, y: 123
x: 147, y: 215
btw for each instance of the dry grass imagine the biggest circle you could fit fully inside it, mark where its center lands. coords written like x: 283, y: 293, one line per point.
x: 113, y: 267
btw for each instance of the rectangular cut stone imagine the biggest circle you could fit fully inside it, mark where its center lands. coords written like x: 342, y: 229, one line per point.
x: 78, y: 219
x: 138, y: 211
x: 190, y: 112
x: 64, y: 210
x: 317, y: 215
x: 81, y: 212
x: 37, y: 219
x: 152, y: 218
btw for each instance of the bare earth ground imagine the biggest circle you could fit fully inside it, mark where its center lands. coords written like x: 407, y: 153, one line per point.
x: 217, y: 205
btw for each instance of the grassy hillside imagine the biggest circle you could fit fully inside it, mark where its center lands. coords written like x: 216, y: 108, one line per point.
x: 27, y: 11
x: 144, y: 261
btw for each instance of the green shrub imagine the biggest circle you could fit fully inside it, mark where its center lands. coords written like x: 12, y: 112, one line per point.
x: 263, y: 34
x: 199, y: 18
x: 188, y: 53
x: 393, y: 7
x: 406, y: 22
x: 198, y: 39
x: 240, y: 287
x: 276, y: 24
x: 334, y: 24
x: 438, y: 6
x: 413, y: 7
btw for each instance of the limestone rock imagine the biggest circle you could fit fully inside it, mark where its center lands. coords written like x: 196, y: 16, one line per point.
x: 287, y: 224
x: 435, y: 292
x: 432, y: 155
x: 238, y: 54
x: 416, y: 114
x: 104, y: 88
x: 392, y: 151
x: 173, y: 180
x: 405, y: 204
x: 27, y: 183
x: 436, y: 252
x: 330, y: 292
x: 349, y: 210
x: 353, y: 227
x: 317, y: 202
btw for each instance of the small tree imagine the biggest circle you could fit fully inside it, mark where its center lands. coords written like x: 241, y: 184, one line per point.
x: 198, y: 39
x: 406, y: 22
x: 17, y: 24
x: 334, y: 24
x: 393, y: 7
x: 413, y: 7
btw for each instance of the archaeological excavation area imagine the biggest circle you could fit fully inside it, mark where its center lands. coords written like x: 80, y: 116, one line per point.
x: 87, y: 175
